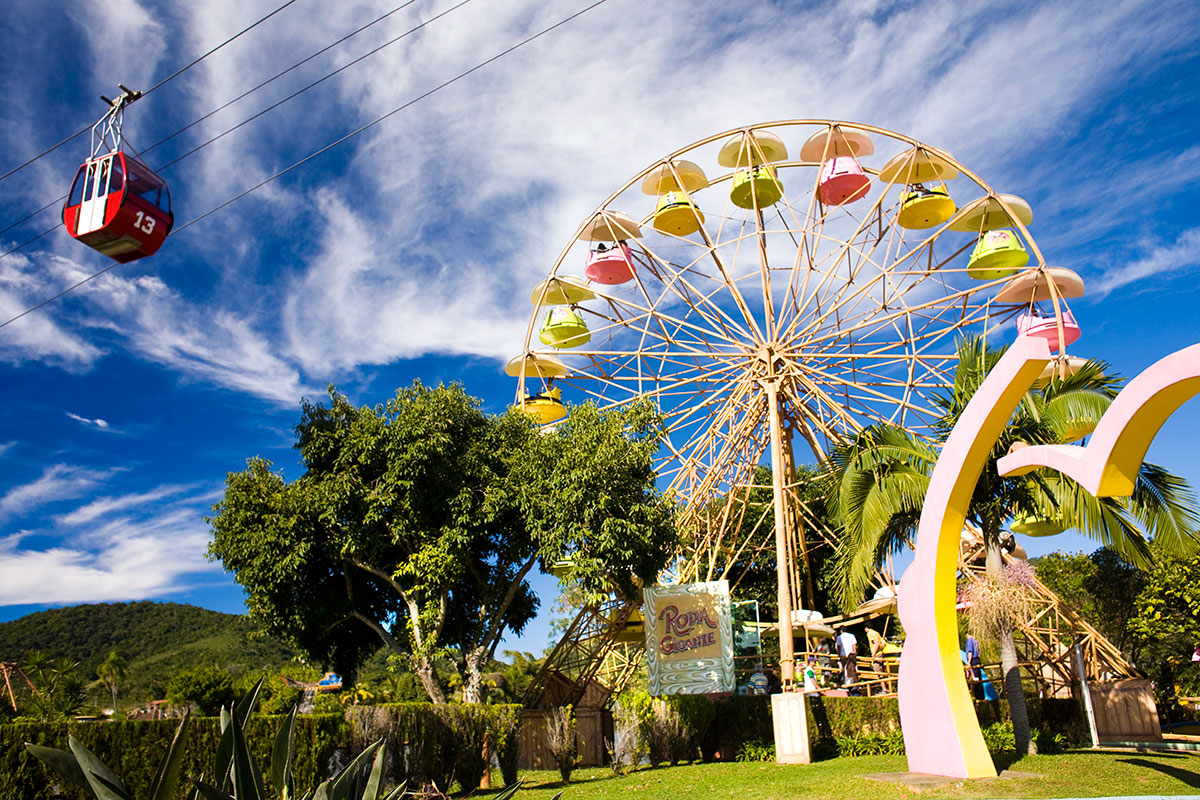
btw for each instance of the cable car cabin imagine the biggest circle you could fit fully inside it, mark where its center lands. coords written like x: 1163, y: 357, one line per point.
x: 118, y: 206
x: 1047, y: 328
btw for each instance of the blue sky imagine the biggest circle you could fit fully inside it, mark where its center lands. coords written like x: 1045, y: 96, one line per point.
x: 409, y: 251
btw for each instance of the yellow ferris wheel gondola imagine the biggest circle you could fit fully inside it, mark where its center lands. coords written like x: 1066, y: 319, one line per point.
x: 1032, y: 524
x: 997, y: 254
x: 674, y: 181
x: 564, y: 327
x: 545, y: 407
x: 924, y: 207
x: 756, y: 184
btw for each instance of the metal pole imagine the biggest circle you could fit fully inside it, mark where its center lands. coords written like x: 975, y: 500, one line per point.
x: 1087, y: 695
x: 787, y: 653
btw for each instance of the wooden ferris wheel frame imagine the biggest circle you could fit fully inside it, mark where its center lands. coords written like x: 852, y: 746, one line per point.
x: 841, y: 318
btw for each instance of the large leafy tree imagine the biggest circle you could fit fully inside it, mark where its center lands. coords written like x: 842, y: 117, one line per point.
x: 417, y: 522
x: 881, y: 477
x: 1166, y: 625
x: 1100, y: 587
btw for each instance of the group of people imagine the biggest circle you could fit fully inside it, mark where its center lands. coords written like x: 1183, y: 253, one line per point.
x: 845, y: 646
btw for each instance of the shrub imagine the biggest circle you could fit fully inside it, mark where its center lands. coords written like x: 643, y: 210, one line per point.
x: 209, y: 688
x: 503, y: 724
x: 756, y: 751
x: 626, y: 748
x: 560, y: 736
x: 468, y: 729
x: 871, y: 744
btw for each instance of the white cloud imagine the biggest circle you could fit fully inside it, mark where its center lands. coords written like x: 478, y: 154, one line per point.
x: 1161, y: 261
x: 5, y: 447
x: 97, y: 423
x: 115, y: 29
x: 41, y: 335
x: 124, y: 560
x: 106, y: 505
x: 58, y: 482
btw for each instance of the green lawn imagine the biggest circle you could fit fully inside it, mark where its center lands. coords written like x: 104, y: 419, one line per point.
x: 1075, y: 774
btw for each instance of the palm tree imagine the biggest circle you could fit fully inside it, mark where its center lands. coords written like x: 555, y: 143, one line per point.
x: 112, y: 673
x: 879, y: 482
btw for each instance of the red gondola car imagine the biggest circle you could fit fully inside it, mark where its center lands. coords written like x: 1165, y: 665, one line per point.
x: 119, y: 207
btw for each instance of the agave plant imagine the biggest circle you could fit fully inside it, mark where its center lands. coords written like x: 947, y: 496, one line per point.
x: 235, y: 775
x: 81, y: 767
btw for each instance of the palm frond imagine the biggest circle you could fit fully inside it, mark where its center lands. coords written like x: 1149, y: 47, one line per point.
x: 1066, y: 412
x: 1105, y: 520
x: 1165, y: 505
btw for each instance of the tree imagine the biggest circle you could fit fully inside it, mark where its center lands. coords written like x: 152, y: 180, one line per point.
x: 417, y: 522
x: 208, y: 687
x: 60, y: 690
x: 1166, y: 625
x: 1100, y: 587
x: 112, y: 673
x: 881, y: 477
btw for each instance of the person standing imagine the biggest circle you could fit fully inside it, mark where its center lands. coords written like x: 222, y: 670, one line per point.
x: 847, y: 650
x: 974, y: 666
x: 758, y: 681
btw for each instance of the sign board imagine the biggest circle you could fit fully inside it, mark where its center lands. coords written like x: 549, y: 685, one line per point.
x: 689, y: 638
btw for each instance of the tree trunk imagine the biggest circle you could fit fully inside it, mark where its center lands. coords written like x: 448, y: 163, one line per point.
x: 423, y: 668
x: 1013, y: 689
x: 1016, y: 694
x: 473, y: 679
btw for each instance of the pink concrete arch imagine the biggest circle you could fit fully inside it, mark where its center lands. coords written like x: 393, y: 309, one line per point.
x: 1109, y: 464
x: 937, y: 714
x: 941, y: 732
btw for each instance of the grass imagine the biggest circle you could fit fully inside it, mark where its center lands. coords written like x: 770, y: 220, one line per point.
x: 1079, y: 773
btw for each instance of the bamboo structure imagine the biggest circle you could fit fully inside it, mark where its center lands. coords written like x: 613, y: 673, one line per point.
x: 1049, y: 631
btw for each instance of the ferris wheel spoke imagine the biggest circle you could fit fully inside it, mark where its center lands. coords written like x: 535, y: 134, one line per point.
x: 700, y: 301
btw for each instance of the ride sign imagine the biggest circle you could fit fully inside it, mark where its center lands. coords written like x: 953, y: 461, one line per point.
x: 689, y: 638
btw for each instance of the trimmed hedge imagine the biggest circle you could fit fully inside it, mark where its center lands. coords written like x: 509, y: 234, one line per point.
x: 133, y: 750
x: 425, y: 743
x: 747, y: 719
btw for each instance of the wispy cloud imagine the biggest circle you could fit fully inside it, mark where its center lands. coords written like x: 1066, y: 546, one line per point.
x: 1162, y: 261
x: 106, y: 505
x: 124, y: 560
x: 58, y: 482
x: 95, y: 423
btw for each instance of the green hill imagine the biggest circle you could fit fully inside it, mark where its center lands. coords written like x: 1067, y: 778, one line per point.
x: 155, y: 639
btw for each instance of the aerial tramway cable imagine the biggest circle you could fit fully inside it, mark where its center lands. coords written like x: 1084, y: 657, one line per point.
x: 253, y: 117
x: 312, y: 155
x: 173, y: 75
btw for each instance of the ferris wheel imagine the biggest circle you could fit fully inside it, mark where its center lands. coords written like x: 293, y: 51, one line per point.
x: 812, y: 284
